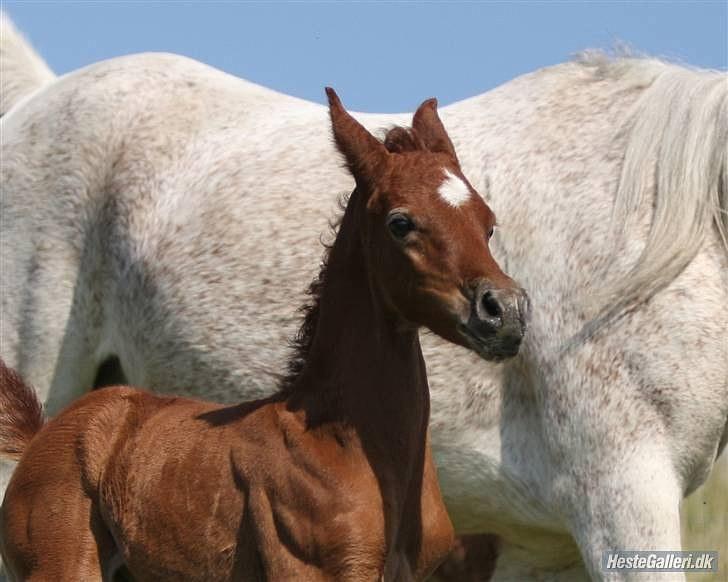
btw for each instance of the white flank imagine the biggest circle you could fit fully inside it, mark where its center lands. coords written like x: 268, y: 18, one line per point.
x: 453, y: 190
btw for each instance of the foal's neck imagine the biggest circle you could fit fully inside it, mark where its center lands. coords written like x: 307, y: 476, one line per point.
x: 364, y: 368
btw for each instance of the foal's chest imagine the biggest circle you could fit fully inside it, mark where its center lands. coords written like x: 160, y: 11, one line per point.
x: 310, y: 528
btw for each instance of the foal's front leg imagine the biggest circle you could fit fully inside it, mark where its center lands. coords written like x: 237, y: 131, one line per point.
x: 437, y: 535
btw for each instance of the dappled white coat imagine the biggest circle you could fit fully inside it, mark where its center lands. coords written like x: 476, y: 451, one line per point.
x: 156, y: 209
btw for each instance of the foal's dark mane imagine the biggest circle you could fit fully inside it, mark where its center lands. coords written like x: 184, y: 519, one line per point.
x: 398, y: 140
x: 301, y: 343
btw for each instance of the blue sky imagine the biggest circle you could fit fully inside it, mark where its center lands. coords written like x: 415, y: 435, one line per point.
x: 380, y: 56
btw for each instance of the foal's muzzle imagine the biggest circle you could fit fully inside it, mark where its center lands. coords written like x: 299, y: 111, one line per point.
x: 497, y: 321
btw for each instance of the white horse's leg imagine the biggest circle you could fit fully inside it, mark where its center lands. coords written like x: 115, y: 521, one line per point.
x: 48, y: 331
x: 621, y: 502
x: 631, y: 504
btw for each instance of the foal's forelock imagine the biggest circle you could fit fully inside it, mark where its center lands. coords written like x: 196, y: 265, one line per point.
x: 401, y: 139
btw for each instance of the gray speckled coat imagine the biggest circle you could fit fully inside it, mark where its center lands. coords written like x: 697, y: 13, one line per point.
x: 166, y: 213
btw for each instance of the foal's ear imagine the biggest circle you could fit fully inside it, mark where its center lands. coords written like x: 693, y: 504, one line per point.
x: 431, y: 131
x: 365, y: 155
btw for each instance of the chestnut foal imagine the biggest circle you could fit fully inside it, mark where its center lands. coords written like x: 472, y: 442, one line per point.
x: 330, y: 479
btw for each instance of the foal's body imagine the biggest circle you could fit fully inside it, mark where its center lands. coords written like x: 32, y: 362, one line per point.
x: 329, y: 479
x: 305, y: 506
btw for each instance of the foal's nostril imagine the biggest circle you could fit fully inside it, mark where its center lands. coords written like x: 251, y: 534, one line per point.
x: 491, y: 305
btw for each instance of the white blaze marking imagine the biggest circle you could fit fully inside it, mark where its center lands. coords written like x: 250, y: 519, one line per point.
x: 453, y: 190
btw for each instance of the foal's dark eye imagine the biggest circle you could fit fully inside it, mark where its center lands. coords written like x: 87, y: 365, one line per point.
x: 400, y: 225
x: 490, y: 233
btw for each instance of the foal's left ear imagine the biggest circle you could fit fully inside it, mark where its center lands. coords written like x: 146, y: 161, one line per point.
x: 428, y: 127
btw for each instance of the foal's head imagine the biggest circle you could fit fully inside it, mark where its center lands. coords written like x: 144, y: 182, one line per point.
x: 425, y: 233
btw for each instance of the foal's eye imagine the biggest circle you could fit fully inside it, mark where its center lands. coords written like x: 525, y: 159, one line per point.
x: 490, y: 233
x: 400, y: 225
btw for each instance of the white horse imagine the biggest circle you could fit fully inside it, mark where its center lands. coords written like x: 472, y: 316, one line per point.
x: 160, y: 220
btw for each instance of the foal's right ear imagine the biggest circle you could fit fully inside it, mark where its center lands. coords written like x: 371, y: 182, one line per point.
x: 366, y: 157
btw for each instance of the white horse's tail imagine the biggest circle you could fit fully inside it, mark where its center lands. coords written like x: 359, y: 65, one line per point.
x: 676, y: 157
x: 22, y: 70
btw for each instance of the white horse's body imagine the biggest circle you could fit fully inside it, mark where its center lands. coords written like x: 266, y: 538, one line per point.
x: 160, y: 211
